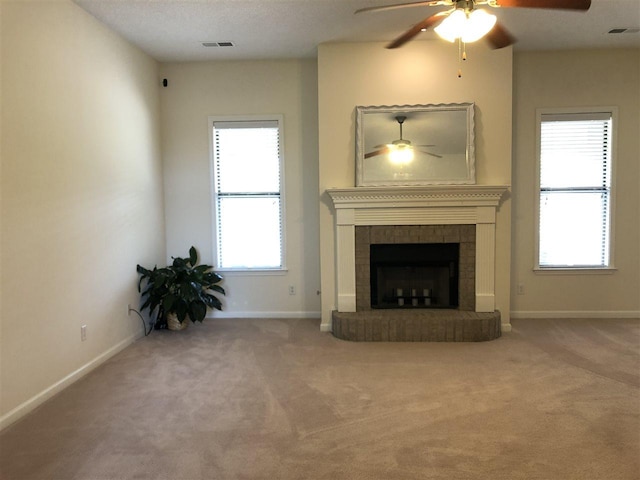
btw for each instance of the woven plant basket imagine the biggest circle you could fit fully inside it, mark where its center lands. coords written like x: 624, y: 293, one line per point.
x: 174, y: 324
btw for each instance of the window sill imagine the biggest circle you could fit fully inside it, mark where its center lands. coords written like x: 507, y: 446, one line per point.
x: 250, y: 272
x: 574, y: 271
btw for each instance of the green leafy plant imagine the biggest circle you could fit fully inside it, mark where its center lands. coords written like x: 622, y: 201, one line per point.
x: 183, y: 288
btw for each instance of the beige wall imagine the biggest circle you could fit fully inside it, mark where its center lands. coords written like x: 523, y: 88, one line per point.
x: 578, y: 79
x: 353, y: 74
x: 81, y: 193
x: 198, y: 90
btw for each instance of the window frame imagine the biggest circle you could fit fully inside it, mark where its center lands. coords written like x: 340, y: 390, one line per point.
x: 566, y: 269
x: 279, y: 118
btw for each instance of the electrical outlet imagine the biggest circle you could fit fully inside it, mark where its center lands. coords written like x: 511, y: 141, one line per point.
x: 292, y: 290
x: 521, y: 289
x: 83, y: 333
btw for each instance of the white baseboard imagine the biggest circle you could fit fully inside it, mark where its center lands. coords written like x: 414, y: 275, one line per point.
x: 577, y: 314
x: 37, y: 400
x: 228, y: 314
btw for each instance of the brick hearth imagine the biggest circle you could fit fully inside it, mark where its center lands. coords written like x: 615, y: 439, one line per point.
x: 416, y: 326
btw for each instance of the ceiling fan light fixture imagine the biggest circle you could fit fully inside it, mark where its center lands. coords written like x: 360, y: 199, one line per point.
x: 468, y: 26
x: 479, y: 23
x: 401, y: 154
x: 452, y: 26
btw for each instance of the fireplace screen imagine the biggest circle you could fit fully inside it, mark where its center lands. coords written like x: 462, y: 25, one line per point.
x: 414, y: 275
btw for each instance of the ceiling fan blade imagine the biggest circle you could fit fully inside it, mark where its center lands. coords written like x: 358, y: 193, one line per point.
x: 432, y: 154
x: 416, y: 29
x: 499, y: 37
x: 557, y: 4
x: 431, y: 3
x: 376, y: 152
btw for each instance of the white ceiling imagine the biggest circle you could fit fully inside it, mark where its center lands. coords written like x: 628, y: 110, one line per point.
x: 173, y: 30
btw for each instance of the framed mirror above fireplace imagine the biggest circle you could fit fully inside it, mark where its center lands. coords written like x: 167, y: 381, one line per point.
x: 415, y: 145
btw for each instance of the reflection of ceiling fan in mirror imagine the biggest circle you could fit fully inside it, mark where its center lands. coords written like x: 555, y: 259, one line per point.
x: 400, y: 151
x: 467, y: 23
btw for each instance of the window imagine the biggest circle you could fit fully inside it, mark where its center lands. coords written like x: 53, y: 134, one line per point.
x: 248, y: 200
x: 575, y: 190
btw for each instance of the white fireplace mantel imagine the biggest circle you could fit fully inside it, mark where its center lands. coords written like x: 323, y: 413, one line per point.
x: 417, y: 205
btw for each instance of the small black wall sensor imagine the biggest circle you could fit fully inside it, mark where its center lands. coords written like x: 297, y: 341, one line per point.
x: 165, y: 82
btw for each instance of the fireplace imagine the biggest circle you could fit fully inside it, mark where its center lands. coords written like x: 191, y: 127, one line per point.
x: 464, y: 214
x: 434, y: 247
x: 414, y: 275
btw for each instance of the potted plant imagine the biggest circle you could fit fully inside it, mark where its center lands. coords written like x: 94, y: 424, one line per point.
x: 179, y: 291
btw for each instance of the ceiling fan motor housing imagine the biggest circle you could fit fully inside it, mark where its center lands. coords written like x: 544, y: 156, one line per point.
x: 466, y: 5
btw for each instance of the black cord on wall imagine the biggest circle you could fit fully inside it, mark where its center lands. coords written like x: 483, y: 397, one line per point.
x: 144, y: 324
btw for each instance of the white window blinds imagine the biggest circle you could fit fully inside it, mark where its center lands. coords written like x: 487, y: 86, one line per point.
x: 575, y: 189
x: 248, y: 203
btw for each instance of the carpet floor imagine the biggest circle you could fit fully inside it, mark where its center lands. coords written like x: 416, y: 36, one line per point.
x: 277, y: 399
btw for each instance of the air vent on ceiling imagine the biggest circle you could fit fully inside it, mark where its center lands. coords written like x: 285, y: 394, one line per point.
x: 217, y: 44
x: 624, y: 30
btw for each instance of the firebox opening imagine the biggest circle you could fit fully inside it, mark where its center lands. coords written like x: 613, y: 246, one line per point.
x: 415, y: 275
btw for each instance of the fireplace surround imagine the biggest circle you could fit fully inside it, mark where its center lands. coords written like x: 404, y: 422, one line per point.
x: 432, y: 210
x: 420, y: 267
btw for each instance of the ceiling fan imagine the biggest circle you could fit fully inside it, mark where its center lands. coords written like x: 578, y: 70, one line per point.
x: 400, y: 150
x: 467, y: 23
